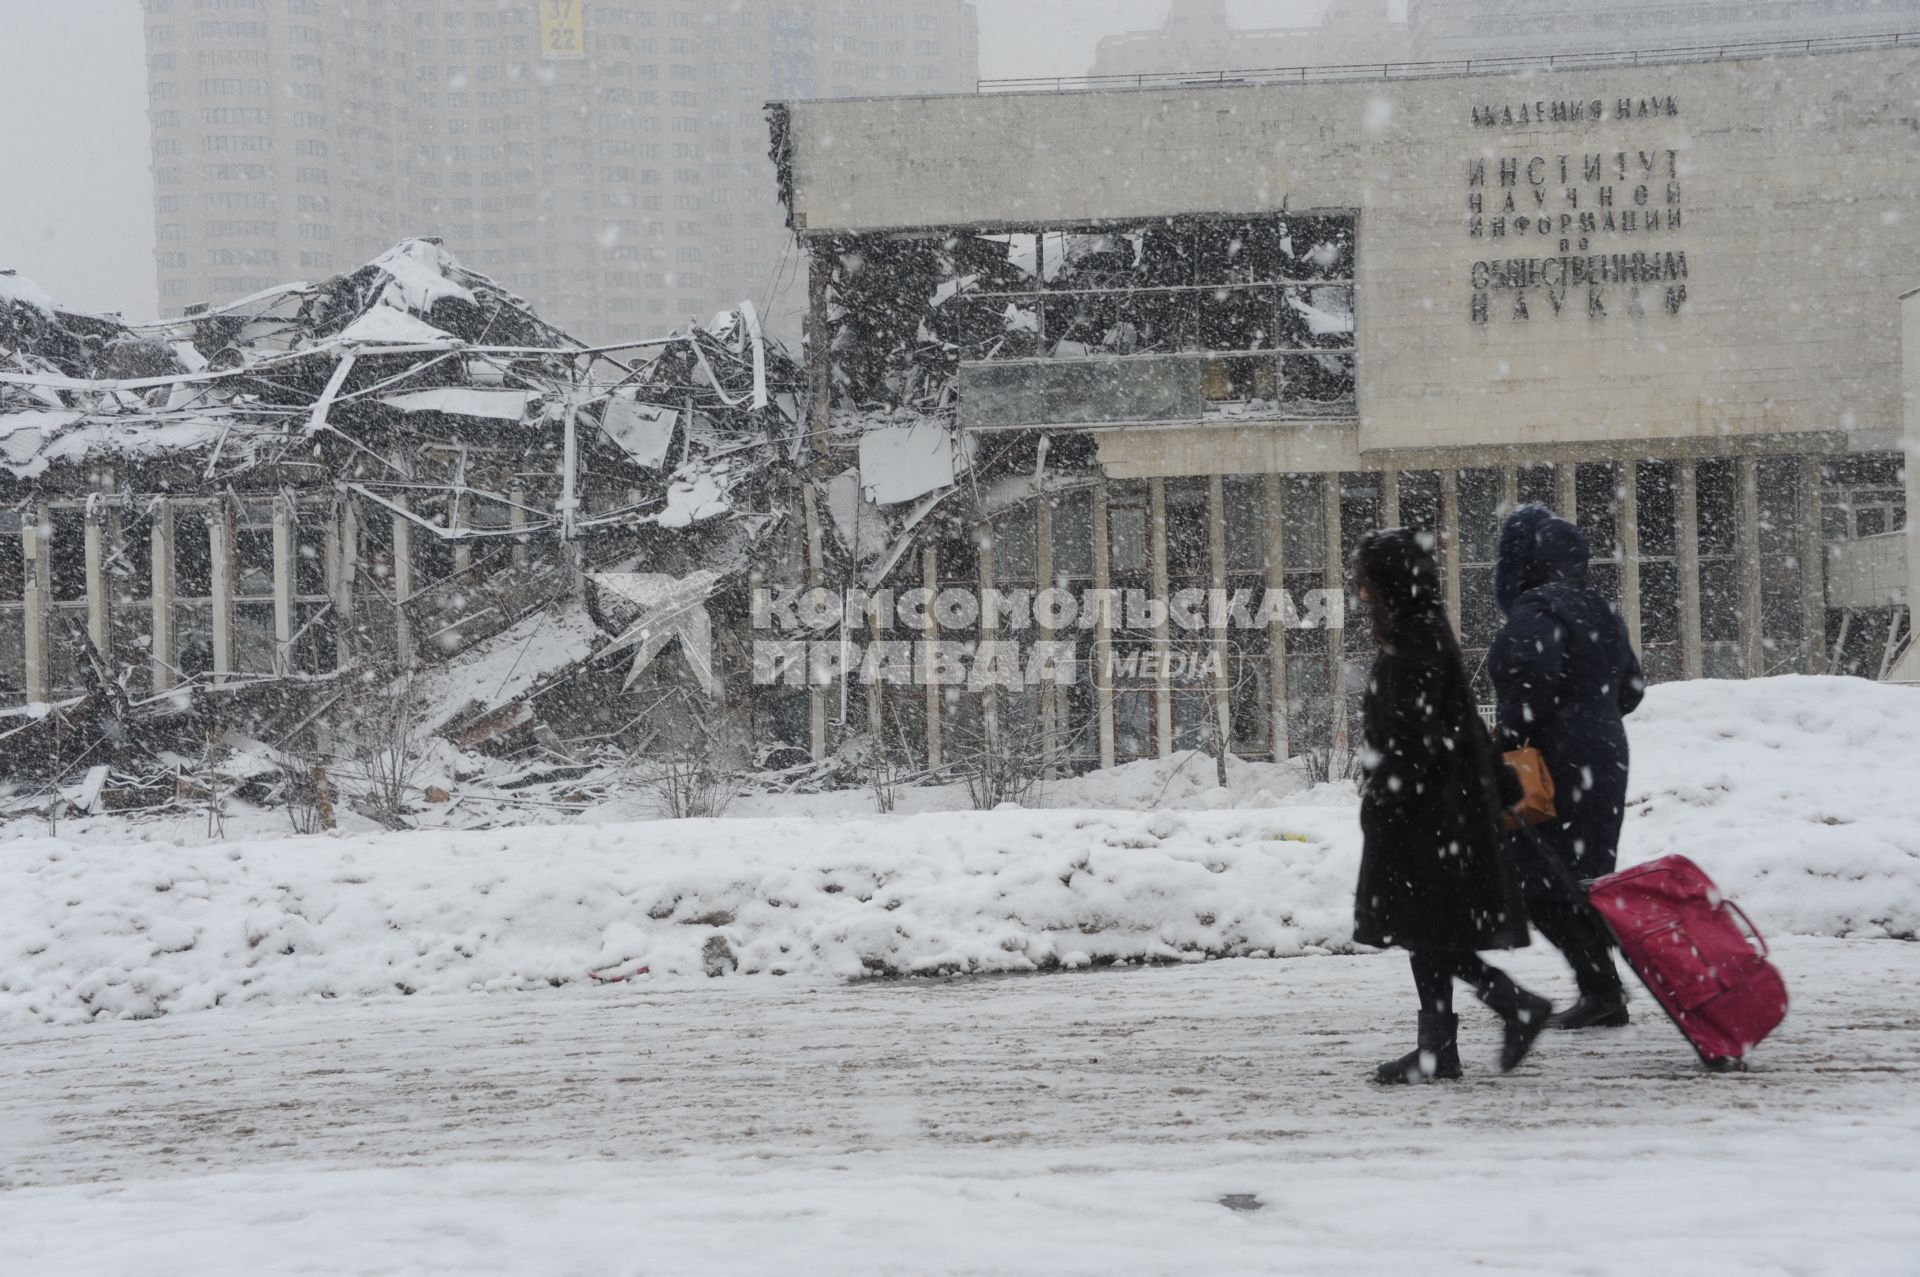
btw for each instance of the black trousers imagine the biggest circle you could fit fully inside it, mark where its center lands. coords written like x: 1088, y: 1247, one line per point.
x: 1576, y: 931
x: 1435, y: 970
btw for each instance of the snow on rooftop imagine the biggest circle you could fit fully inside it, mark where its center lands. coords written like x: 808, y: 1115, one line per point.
x: 18, y: 288
x: 385, y: 324
x: 422, y: 275
x: 497, y: 405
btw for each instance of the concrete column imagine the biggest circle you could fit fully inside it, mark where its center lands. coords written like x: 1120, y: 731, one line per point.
x: 285, y: 548
x: 1629, y: 525
x: 930, y: 579
x: 1449, y: 538
x: 989, y: 633
x: 343, y: 570
x: 1686, y: 496
x: 876, y: 690
x: 36, y: 553
x: 1389, y: 498
x: 1277, y: 626
x: 220, y: 551
x: 517, y: 521
x: 457, y: 507
x: 1813, y: 559
x: 1509, y: 490
x: 1912, y: 660
x: 1162, y: 631
x: 99, y: 588
x: 819, y: 359
x: 1336, y: 639
x: 816, y: 579
x: 1103, y: 624
x: 1050, y: 736
x: 1566, y: 502
x: 1217, y: 561
x: 402, y: 585
x: 1753, y: 648
x: 162, y: 659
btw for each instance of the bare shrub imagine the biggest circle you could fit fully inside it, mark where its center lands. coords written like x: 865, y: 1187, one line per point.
x: 692, y: 766
x: 385, y: 745
x: 1009, y: 764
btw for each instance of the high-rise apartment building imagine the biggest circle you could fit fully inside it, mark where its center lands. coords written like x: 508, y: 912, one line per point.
x: 605, y: 158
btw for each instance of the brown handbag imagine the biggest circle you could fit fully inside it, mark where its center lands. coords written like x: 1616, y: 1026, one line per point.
x: 1536, y: 803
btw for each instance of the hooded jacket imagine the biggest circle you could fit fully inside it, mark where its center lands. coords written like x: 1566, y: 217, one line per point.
x: 1435, y: 869
x: 1564, y: 673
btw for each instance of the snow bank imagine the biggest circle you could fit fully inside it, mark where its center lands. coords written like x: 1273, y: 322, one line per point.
x: 1797, y: 794
x: 143, y: 930
x: 1794, y: 793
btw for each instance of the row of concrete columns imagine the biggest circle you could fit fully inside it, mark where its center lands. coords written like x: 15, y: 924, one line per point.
x: 103, y: 540
x: 1687, y: 562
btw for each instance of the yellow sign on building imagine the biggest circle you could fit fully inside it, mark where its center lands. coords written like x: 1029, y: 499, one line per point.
x: 563, y: 31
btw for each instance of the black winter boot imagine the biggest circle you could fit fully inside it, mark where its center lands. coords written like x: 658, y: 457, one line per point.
x: 1524, y: 1014
x: 1436, y: 1057
x: 1591, y: 1013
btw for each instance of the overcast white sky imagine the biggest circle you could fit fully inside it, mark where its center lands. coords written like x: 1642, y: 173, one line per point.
x: 76, y: 207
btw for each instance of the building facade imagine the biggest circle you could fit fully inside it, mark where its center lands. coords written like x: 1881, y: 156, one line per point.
x: 605, y: 158
x: 1211, y: 336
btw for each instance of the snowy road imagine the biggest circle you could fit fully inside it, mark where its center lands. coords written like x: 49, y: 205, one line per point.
x: 1087, y: 1123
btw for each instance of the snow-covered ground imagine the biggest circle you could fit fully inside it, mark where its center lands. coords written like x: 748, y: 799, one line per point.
x: 1796, y: 794
x: 1095, y: 1123
x: 437, y: 1052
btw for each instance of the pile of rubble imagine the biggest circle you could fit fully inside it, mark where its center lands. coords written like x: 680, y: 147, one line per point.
x: 246, y: 547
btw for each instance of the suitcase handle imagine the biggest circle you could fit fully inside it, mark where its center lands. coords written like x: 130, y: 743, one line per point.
x: 1751, y: 929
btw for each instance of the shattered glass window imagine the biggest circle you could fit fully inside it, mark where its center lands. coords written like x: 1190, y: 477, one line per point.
x: 1717, y: 485
x: 1013, y: 546
x: 1656, y: 509
x: 1479, y: 536
x: 1597, y: 504
x: 1420, y: 502
x: 1782, y: 601
x: 1230, y: 316
x: 253, y: 621
x: 13, y: 635
x: 1534, y: 485
x: 1073, y: 536
x: 192, y: 591
x: 1249, y: 669
x: 67, y: 559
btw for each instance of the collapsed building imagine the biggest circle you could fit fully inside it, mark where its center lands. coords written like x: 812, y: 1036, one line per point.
x: 255, y: 522
x: 1068, y: 473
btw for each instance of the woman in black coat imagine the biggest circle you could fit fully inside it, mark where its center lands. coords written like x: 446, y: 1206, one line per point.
x: 1436, y: 876
x: 1564, y: 672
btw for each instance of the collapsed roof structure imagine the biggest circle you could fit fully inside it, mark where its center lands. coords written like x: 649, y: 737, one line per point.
x: 239, y: 523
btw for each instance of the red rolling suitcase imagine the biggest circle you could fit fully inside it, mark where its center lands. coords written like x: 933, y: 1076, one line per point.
x: 1679, y: 935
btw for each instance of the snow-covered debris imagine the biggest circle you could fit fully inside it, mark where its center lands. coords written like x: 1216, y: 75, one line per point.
x: 417, y: 414
x: 395, y: 327
x: 902, y: 462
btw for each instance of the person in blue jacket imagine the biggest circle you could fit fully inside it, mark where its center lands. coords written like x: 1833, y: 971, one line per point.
x: 1564, y: 673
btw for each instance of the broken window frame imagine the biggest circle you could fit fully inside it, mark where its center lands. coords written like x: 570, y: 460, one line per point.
x: 886, y: 342
x: 1230, y: 367
x: 255, y: 588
